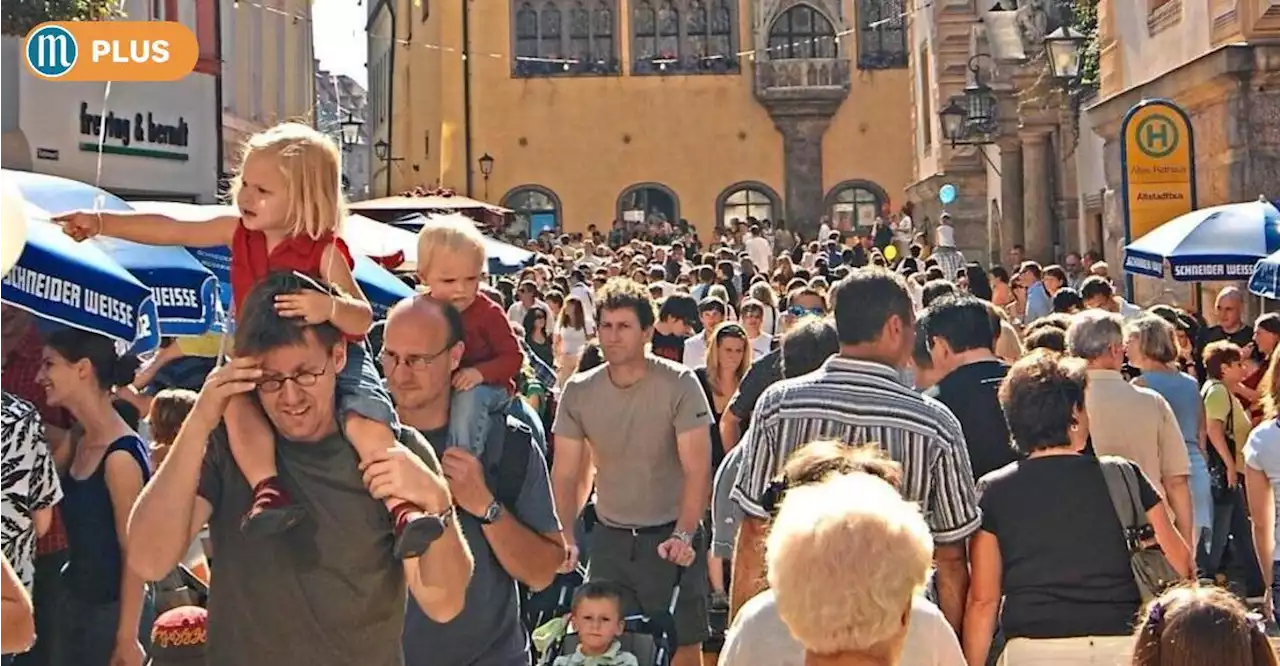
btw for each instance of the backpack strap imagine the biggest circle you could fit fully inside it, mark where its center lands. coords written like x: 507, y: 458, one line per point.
x: 512, y: 440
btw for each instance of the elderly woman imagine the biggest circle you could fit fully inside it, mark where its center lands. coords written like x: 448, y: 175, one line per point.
x: 1051, y: 544
x: 1152, y: 347
x: 759, y: 636
x: 844, y: 610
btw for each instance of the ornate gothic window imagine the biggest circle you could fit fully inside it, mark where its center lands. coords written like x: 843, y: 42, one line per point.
x: 683, y: 36
x: 882, y: 34
x: 564, y: 38
x: 802, y: 32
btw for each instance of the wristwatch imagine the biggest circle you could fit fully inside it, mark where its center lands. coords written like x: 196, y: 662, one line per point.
x: 685, y: 537
x: 491, y: 513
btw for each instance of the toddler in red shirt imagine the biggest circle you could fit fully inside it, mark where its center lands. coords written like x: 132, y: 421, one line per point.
x: 451, y: 264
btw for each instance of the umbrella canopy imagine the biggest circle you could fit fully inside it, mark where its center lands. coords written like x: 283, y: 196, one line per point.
x: 425, y: 204
x: 185, y: 292
x: 1219, y: 243
x: 78, y: 285
x: 381, y: 287
x: 503, y: 258
x: 1266, y: 277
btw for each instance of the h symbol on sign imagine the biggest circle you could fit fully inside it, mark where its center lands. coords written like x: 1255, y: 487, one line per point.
x: 1160, y: 134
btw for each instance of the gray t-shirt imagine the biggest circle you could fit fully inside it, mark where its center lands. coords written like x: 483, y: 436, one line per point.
x: 488, y: 632
x: 633, y: 432
x: 329, y: 590
x: 725, y: 513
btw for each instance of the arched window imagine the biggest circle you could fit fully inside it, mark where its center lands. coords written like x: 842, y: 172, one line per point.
x: 535, y: 208
x: 564, y: 37
x: 649, y: 202
x: 882, y: 34
x: 683, y: 36
x: 526, y: 31
x: 747, y: 199
x: 802, y: 32
x: 855, y: 203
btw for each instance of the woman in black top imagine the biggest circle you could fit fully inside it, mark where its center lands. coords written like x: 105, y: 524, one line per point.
x: 1050, y: 543
x: 537, y: 334
x: 104, y: 603
x: 728, y: 358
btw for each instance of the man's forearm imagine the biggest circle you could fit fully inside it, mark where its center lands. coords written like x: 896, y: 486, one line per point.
x: 527, y: 556
x: 694, y: 499
x: 1179, y: 492
x: 952, y: 580
x: 160, y: 523
x: 441, y: 576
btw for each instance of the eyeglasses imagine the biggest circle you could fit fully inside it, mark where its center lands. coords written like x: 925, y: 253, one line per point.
x: 303, y: 379
x: 415, y: 362
x: 798, y: 311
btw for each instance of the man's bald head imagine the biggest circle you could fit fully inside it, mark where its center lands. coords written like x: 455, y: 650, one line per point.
x: 423, y: 311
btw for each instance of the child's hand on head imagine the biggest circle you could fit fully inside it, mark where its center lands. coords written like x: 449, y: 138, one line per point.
x: 308, y: 305
x: 466, y: 379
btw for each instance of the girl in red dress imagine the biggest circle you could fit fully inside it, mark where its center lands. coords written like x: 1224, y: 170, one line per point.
x: 289, y: 196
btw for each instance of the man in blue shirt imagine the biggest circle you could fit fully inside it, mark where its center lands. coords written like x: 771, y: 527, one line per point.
x: 1039, y: 303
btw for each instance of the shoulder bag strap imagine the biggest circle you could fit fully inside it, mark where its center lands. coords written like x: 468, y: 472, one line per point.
x: 1130, y: 478
x: 1117, y: 488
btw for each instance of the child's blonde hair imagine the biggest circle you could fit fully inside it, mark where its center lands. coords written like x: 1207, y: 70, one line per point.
x: 453, y: 233
x: 312, y: 167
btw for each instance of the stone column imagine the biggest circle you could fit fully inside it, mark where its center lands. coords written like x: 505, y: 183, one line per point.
x: 802, y: 169
x: 1011, y: 202
x: 1037, y: 205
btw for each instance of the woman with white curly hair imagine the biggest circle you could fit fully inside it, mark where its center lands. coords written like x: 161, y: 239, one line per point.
x: 846, y: 610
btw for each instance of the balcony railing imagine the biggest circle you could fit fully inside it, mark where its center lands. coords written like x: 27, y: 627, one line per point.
x: 802, y: 77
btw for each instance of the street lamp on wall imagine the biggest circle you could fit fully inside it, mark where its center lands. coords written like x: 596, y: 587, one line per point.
x: 970, y: 119
x: 486, y: 168
x: 1065, y: 46
x: 351, y: 131
x: 382, y: 151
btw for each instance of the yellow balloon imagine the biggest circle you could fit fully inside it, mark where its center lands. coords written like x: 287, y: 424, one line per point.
x: 891, y: 252
x: 13, y: 226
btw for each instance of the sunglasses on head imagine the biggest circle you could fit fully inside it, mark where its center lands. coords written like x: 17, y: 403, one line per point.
x: 800, y: 311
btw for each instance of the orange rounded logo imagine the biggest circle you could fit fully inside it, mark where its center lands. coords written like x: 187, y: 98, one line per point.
x: 111, y: 51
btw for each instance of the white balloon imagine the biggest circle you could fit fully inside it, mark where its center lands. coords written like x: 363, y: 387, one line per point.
x: 13, y: 225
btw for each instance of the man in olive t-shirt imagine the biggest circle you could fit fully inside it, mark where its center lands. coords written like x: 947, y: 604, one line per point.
x: 328, y: 591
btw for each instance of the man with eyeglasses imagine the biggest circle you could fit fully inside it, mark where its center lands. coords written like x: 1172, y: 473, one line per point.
x: 509, y: 520
x: 331, y: 590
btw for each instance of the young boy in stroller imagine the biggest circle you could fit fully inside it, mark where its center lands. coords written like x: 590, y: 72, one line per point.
x: 604, y: 637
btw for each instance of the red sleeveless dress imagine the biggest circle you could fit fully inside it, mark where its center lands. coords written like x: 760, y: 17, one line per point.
x: 251, y: 262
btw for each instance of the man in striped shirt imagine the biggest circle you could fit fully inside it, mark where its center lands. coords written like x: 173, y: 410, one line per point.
x: 857, y: 397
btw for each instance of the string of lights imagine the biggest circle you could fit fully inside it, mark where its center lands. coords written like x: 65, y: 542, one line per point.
x: 749, y: 54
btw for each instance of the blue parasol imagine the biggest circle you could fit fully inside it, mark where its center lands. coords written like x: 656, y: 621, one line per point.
x: 1266, y: 277
x: 1218, y: 243
x: 183, y: 290
x: 381, y: 287
x: 78, y: 285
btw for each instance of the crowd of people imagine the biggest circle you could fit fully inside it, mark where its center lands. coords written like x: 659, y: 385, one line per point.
x: 856, y: 448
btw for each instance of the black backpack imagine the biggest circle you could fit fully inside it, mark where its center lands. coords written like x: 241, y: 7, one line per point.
x: 506, y: 474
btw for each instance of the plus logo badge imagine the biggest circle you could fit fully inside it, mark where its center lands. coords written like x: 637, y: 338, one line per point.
x: 1157, y: 136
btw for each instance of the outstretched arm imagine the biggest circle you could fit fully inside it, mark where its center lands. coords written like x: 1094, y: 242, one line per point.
x: 148, y: 229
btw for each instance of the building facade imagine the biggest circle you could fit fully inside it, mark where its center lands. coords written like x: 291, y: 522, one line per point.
x: 1015, y: 169
x: 1217, y: 59
x: 268, y: 74
x: 138, y: 140
x: 338, y: 99
x: 594, y: 110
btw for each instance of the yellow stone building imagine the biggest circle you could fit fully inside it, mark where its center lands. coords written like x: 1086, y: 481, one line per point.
x: 1217, y: 59
x: 596, y: 110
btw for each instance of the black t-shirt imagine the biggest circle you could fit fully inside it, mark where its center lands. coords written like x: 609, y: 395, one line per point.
x: 970, y: 391
x: 669, y: 346
x: 1240, y: 338
x: 1065, y: 563
x: 764, y: 373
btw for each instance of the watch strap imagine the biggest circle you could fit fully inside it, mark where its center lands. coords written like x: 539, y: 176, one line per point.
x: 491, y: 513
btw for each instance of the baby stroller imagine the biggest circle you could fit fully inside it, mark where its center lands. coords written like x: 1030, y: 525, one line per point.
x: 651, y: 639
